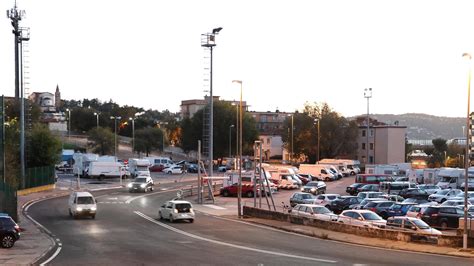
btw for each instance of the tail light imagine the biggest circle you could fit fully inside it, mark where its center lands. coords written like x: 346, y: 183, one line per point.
x: 418, y: 215
x: 434, y: 215
x: 373, y: 209
x: 17, y: 229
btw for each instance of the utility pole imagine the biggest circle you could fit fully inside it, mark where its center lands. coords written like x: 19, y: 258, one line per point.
x: 367, y: 95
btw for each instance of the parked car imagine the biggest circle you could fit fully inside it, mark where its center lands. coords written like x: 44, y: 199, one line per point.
x: 411, y: 224
x: 470, y: 201
x: 370, y: 194
x: 324, y: 199
x: 9, y: 231
x: 156, y: 168
x: 141, y: 183
x: 232, y: 190
x: 416, y: 211
x: 399, y: 209
x: 174, y: 210
x: 342, y: 203
x: 352, y: 189
x: 416, y: 201
x: 369, y: 187
x: 444, y: 217
x: 414, y: 193
x: 300, y: 198
x: 361, y: 218
x: 395, y: 198
x: 363, y: 202
x: 401, y: 179
x: 309, y: 177
x: 313, y: 211
x: 314, y: 187
x: 193, y: 168
x: 442, y: 195
x: 455, y: 202
x: 173, y: 170
x: 431, y: 189
x: 304, y: 179
x: 380, y: 207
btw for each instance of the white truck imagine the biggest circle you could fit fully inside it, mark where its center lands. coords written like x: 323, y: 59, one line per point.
x: 450, y: 177
x: 320, y: 171
x: 164, y: 161
x: 138, y: 167
x: 82, y: 162
x: 105, y: 169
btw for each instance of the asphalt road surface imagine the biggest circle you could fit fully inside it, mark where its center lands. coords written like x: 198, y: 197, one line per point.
x: 126, y: 232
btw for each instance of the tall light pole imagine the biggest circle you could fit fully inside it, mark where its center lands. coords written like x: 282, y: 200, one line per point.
x: 466, y: 157
x: 239, y: 191
x: 236, y: 132
x: 208, y: 40
x: 97, y: 116
x: 115, y: 118
x: 133, y: 128
x: 230, y: 140
x: 69, y: 122
x: 316, y: 120
x: 292, y: 127
x: 367, y: 95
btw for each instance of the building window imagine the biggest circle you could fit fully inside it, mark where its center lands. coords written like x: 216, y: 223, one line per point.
x: 371, y: 146
x: 371, y: 159
x: 363, y: 133
x: 363, y: 146
x: 371, y: 132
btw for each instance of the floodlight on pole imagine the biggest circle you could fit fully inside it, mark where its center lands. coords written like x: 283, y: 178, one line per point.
x: 97, y: 116
x: 318, y: 121
x: 69, y: 122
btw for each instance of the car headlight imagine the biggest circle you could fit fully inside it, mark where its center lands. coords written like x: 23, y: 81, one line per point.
x: 191, y: 210
x: 129, y: 185
x: 313, y: 190
x: 143, y: 185
x: 302, y: 189
x: 79, y: 209
x: 93, y: 208
x: 175, y: 210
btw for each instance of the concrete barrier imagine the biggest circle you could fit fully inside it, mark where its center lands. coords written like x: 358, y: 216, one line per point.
x: 27, y: 191
x: 444, y: 240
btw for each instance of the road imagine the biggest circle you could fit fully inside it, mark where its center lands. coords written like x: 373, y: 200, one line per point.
x: 126, y: 232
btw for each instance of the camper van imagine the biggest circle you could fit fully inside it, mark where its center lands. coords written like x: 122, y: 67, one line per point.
x: 165, y: 162
x: 341, y: 167
x: 320, y: 171
x: 105, y: 169
x: 138, y: 167
x: 450, y: 177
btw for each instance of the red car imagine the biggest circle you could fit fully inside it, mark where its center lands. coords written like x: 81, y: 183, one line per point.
x: 247, y: 190
x: 156, y: 168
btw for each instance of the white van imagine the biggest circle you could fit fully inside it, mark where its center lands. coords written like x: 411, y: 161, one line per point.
x: 320, y: 171
x: 82, y: 204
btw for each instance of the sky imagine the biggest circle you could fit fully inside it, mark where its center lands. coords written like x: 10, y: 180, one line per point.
x: 147, y: 53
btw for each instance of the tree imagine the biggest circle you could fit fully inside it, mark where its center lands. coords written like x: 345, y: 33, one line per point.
x: 44, y: 148
x: 148, y: 140
x: 337, y: 134
x: 224, y: 116
x: 438, y: 155
x: 101, y: 140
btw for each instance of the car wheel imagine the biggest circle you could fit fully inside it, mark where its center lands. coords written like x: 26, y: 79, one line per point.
x: 225, y: 193
x: 8, y: 241
x: 444, y: 225
x: 151, y: 188
x: 159, y: 216
x: 93, y: 216
x: 191, y: 220
x: 171, y: 219
x: 249, y: 194
x: 70, y: 213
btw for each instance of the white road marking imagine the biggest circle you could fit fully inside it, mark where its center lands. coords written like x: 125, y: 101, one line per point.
x: 215, y: 207
x: 146, y: 195
x: 228, y: 244
x: 52, y: 257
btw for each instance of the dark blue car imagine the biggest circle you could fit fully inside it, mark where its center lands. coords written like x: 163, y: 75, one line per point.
x: 399, y: 209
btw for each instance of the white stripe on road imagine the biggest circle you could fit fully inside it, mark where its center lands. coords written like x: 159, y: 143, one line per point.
x: 146, y: 195
x: 52, y: 257
x: 215, y: 207
x: 228, y: 244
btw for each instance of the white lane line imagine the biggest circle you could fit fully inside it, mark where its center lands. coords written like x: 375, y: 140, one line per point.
x: 52, y: 257
x: 228, y: 244
x: 215, y: 207
x: 146, y: 195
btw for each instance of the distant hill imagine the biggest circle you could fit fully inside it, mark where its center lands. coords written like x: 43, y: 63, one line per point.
x: 423, y: 126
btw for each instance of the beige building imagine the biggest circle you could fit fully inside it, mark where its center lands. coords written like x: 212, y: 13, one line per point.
x: 386, y: 144
x: 190, y: 107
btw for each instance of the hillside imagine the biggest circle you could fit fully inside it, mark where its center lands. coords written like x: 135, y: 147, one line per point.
x: 423, y: 126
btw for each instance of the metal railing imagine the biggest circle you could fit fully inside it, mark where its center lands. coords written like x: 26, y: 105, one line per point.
x: 39, y: 176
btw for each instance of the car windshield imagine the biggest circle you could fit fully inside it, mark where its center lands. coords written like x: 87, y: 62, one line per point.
x: 332, y: 197
x: 183, y: 207
x: 442, y: 192
x: 312, y: 184
x: 7, y: 221
x: 420, y: 224
x: 306, y: 196
x: 85, y: 200
x: 140, y: 180
x: 321, y: 210
x: 369, y: 216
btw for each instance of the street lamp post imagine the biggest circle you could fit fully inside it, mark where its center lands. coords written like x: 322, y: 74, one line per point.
x: 69, y: 122
x: 97, y: 116
x: 316, y: 120
x: 208, y: 40
x: 239, y: 191
x: 367, y: 95
x: 133, y: 129
x: 230, y: 140
x: 466, y: 157
x: 115, y: 118
x: 292, y: 127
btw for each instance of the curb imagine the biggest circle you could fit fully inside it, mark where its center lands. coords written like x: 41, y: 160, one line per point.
x: 327, y: 237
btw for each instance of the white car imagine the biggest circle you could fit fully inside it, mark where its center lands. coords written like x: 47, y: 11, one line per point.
x: 457, y: 201
x: 324, y: 199
x: 411, y: 224
x: 173, y: 170
x: 370, y: 194
x: 313, y: 211
x: 364, y: 218
x: 82, y: 203
x: 174, y: 210
x: 442, y: 195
